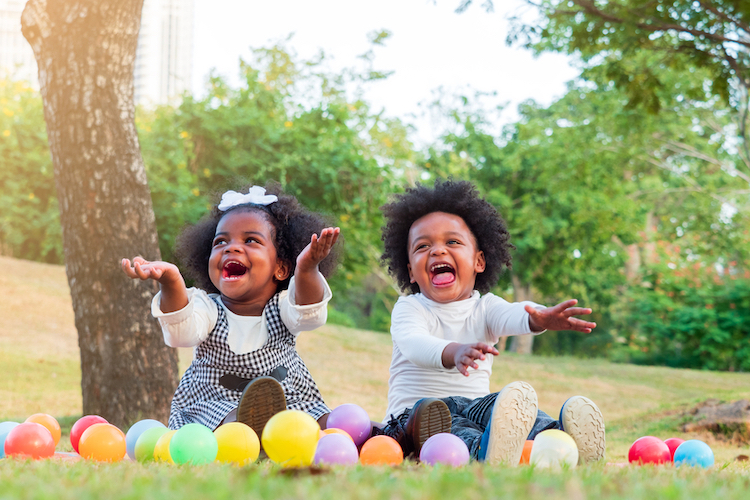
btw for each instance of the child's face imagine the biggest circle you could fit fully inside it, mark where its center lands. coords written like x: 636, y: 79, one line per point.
x: 443, y: 257
x: 243, y: 264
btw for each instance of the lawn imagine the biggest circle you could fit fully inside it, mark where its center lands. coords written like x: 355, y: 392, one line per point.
x: 41, y: 373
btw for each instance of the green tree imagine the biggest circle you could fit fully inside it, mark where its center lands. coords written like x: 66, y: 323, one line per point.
x: 712, y: 37
x: 29, y: 217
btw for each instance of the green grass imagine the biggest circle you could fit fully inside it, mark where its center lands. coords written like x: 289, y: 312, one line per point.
x: 41, y: 373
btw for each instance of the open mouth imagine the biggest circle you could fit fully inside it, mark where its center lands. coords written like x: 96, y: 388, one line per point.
x: 442, y: 274
x: 233, y: 270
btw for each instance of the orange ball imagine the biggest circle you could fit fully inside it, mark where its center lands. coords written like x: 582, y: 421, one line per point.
x: 381, y: 450
x: 49, y: 422
x: 103, y: 443
x: 334, y: 430
x: 526, y: 452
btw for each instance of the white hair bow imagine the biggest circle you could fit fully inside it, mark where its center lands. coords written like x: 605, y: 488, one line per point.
x: 256, y: 195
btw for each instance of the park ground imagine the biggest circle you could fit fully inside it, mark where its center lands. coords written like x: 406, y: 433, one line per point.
x: 41, y: 373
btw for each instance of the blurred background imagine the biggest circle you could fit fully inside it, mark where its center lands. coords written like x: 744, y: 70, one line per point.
x: 613, y: 143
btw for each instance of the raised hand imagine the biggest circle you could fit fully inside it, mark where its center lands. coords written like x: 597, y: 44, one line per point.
x: 560, y: 317
x: 318, y: 249
x: 160, y: 271
x: 464, y: 356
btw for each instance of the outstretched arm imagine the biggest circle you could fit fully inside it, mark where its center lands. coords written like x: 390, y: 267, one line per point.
x: 559, y: 317
x: 173, y: 290
x: 463, y: 356
x: 310, y: 286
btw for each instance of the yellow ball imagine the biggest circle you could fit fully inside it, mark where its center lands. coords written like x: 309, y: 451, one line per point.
x: 161, y: 449
x: 238, y: 444
x: 290, y: 438
x: 102, y: 442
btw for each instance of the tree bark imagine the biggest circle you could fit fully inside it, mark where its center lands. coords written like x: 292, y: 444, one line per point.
x: 85, y: 50
x: 521, y: 344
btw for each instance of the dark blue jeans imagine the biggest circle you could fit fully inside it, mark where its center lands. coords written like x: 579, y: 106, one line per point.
x: 470, y: 419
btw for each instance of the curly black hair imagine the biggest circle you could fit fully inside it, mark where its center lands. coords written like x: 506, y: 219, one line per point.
x: 454, y: 197
x: 293, y: 226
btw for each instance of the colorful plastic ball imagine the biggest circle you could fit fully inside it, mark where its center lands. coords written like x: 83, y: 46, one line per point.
x: 446, y: 449
x: 103, y: 443
x: 336, y: 449
x: 695, y: 453
x: 290, y: 438
x: 161, y: 448
x: 526, y: 454
x: 353, y: 419
x: 673, y: 444
x: 5, y: 428
x: 135, y: 432
x: 29, y: 440
x: 553, y: 449
x: 193, y: 444
x: 334, y: 430
x: 238, y: 444
x: 649, y: 450
x: 49, y: 422
x: 81, y: 425
x: 144, y: 447
x: 381, y: 450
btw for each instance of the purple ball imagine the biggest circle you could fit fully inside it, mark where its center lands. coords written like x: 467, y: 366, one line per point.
x: 446, y: 449
x: 352, y: 419
x: 336, y: 449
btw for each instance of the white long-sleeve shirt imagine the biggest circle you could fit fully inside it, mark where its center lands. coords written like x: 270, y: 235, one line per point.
x: 422, y: 328
x: 191, y: 325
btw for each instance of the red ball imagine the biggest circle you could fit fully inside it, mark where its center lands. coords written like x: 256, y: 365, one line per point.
x: 672, y: 444
x: 649, y: 450
x: 29, y: 440
x: 81, y: 425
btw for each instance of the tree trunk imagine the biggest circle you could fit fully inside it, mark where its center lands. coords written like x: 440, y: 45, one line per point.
x: 521, y: 344
x: 85, y: 50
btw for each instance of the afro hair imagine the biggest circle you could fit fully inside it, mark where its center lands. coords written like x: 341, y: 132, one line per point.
x: 454, y: 197
x: 293, y: 226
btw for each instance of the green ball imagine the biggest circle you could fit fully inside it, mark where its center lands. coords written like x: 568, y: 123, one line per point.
x: 193, y: 444
x: 144, y: 446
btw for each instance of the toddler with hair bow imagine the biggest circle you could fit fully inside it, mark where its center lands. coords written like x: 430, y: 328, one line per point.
x: 259, y: 266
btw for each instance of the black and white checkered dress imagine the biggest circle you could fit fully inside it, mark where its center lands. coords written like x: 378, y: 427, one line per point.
x: 200, y: 398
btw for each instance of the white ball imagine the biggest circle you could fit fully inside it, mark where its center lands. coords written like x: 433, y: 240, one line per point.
x: 553, y: 449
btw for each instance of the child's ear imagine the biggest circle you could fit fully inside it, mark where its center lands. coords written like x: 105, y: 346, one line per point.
x: 283, y: 269
x: 411, y: 276
x: 480, y: 264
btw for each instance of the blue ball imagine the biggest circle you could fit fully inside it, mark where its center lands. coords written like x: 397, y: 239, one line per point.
x: 695, y: 453
x: 5, y: 428
x: 135, y: 432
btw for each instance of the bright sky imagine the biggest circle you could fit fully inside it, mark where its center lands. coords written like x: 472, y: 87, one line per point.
x: 431, y: 46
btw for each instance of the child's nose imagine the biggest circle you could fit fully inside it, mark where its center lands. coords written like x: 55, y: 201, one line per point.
x: 437, y: 249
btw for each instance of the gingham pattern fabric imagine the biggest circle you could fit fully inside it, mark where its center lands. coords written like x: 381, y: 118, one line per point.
x: 200, y: 398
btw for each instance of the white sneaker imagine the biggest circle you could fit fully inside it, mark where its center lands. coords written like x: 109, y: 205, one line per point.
x: 584, y: 422
x: 513, y: 417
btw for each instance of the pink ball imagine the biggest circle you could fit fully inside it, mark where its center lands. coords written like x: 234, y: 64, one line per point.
x: 336, y: 449
x: 444, y: 448
x: 353, y: 419
x: 649, y: 450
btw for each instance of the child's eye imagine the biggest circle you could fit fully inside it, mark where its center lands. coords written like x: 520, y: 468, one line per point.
x: 252, y: 240
x: 454, y: 242
x: 218, y: 242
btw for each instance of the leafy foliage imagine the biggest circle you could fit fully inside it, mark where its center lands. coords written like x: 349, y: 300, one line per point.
x: 29, y: 217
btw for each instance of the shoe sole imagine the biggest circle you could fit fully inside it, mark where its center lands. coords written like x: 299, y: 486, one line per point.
x: 433, y: 418
x: 584, y: 422
x: 513, y: 417
x: 262, y: 399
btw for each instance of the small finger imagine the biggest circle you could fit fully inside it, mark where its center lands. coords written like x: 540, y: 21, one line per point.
x: 140, y: 272
x: 576, y: 311
x: 565, y: 305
